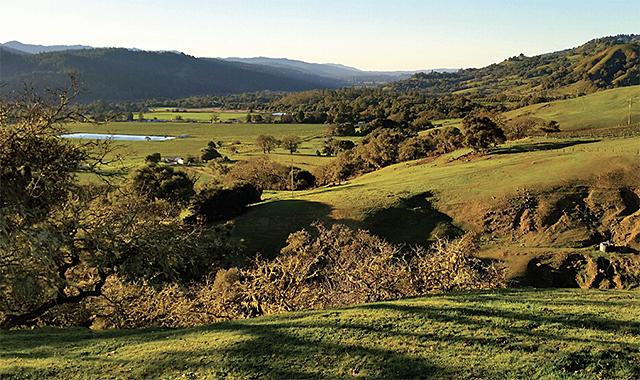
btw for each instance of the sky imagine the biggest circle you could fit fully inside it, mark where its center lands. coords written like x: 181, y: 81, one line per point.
x: 383, y: 35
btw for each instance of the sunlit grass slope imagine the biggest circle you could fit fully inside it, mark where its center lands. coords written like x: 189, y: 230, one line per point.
x: 505, y: 334
x: 240, y: 136
x: 599, y: 110
x: 409, y: 202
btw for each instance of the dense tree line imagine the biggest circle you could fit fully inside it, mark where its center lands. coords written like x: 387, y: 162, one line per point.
x: 386, y: 146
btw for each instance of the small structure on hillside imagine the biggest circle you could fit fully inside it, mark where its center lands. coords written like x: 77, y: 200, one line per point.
x: 173, y: 160
x: 607, y: 246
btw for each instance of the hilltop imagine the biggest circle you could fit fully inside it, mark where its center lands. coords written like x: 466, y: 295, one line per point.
x: 352, y: 75
x: 118, y: 74
x: 600, y: 63
x: 121, y: 74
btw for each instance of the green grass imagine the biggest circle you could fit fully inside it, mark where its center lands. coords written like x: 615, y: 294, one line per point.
x: 505, y: 334
x: 409, y: 202
x: 198, y: 115
x: 240, y: 135
x: 599, y: 110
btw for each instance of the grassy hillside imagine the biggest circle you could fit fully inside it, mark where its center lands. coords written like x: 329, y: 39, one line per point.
x: 414, y: 202
x: 455, y: 180
x: 506, y: 334
x: 599, y: 110
x: 601, y: 63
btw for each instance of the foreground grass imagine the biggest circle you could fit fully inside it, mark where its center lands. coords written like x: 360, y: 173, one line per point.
x: 523, y: 333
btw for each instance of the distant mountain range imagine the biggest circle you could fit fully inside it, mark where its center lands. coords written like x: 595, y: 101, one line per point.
x: 336, y: 71
x: 118, y: 74
x: 19, y: 47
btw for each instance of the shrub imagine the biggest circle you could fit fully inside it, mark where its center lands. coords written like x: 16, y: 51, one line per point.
x: 224, y: 201
x: 159, y: 181
x: 341, y: 267
x: 337, y: 267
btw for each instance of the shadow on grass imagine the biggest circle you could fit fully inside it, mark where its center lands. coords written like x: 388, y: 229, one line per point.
x: 529, y: 147
x: 413, y: 221
x: 412, y: 338
x: 267, y: 226
x: 326, y: 349
x: 470, y: 310
x: 295, y: 348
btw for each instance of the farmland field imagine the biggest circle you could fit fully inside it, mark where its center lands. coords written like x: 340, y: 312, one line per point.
x: 199, y: 115
x: 240, y: 136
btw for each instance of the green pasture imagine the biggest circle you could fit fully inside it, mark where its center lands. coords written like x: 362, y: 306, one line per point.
x: 595, y: 111
x: 238, y: 136
x: 410, y: 202
x: 200, y: 116
x: 501, y: 334
x: 444, y: 123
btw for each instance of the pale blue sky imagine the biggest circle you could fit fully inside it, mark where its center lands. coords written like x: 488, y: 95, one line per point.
x: 369, y: 35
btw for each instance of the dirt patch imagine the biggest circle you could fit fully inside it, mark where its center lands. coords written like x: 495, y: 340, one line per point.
x: 569, y: 216
x: 615, y: 271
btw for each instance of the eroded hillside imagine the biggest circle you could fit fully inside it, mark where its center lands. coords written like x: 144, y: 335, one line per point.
x: 534, y: 203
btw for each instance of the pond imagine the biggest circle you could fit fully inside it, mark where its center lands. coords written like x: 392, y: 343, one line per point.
x: 111, y: 136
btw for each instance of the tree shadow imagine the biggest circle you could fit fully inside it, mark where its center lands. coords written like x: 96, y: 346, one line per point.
x: 469, y: 310
x: 279, y: 351
x: 267, y: 226
x: 413, y: 221
x: 267, y: 348
x: 530, y: 147
x: 407, y: 339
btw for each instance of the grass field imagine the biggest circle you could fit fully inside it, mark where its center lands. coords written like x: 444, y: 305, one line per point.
x: 504, y: 334
x: 409, y: 202
x: 169, y: 114
x: 599, y: 110
x: 240, y: 135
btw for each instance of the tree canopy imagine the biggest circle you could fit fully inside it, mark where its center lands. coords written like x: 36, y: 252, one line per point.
x: 290, y: 143
x: 267, y: 143
x: 480, y: 132
x: 60, y: 240
x: 210, y: 152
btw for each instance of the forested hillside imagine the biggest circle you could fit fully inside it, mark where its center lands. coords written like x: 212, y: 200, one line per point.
x: 601, y: 63
x: 519, y: 81
x: 121, y: 74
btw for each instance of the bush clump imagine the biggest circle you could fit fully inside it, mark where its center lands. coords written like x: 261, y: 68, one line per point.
x: 337, y: 267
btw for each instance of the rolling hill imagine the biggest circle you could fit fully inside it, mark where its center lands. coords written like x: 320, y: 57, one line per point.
x: 352, y: 75
x: 121, y: 74
x: 599, y: 64
x: 118, y: 74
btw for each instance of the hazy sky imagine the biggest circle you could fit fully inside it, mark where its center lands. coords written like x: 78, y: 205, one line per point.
x: 369, y: 35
